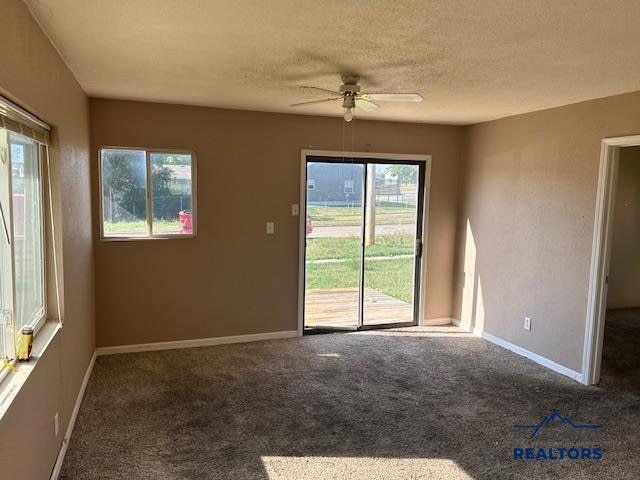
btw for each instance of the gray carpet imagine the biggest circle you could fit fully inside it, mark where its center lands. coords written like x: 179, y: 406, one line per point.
x: 621, y: 352
x: 420, y: 403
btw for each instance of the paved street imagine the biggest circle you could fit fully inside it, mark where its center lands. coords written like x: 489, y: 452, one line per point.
x: 355, y: 230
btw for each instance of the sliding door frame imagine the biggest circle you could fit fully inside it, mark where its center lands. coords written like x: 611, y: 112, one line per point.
x: 380, y: 158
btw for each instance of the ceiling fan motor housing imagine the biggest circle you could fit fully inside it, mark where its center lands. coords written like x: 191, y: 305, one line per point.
x: 349, y: 89
x: 349, y: 101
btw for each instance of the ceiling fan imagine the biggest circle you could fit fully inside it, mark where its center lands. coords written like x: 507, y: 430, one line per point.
x: 352, y: 97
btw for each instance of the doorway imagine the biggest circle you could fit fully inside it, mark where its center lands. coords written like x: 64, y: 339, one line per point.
x: 362, y: 248
x: 601, y: 282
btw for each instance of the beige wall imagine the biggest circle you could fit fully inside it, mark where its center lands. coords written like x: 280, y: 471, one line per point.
x: 232, y: 279
x: 33, y: 75
x: 529, y: 204
x: 624, y: 272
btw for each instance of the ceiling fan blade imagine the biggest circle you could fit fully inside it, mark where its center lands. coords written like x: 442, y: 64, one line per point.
x: 323, y: 90
x: 366, y: 104
x: 315, y: 101
x: 395, y: 97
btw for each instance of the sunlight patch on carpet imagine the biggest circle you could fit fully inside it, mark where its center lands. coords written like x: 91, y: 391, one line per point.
x: 359, y: 468
x: 420, y: 331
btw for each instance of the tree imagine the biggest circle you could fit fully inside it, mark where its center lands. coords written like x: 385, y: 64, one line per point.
x: 125, y: 187
x: 163, y: 201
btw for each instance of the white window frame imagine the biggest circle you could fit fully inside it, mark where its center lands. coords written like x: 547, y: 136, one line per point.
x: 42, y: 315
x: 149, y: 187
x: 41, y: 318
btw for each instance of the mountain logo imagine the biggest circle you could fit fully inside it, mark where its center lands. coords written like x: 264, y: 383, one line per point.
x: 556, y: 416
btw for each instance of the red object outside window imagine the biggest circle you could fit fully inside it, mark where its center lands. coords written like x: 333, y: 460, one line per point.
x: 186, y: 222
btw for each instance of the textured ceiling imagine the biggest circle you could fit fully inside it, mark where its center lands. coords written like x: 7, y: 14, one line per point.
x: 471, y: 60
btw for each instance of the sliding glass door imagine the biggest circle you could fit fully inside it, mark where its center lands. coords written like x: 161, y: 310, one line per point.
x: 333, y: 260
x: 362, y: 248
x: 391, y: 235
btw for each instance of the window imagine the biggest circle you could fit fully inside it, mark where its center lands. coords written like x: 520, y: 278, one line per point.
x: 28, y: 254
x: 348, y: 186
x: 22, y: 265
x: 147, y: 193
x: 311, y: 184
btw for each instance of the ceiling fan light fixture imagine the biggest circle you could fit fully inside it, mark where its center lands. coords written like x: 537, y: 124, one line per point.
x: 353, y: 97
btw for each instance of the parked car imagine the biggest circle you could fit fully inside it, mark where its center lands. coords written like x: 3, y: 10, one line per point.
x: 186, y: 222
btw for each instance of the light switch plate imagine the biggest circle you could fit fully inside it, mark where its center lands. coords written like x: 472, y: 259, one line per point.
x: 271, y: 228
x: 527, y: 323
x: 295, y: 209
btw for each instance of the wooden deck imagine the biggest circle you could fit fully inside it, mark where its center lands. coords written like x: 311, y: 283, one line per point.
x: 339, y: 308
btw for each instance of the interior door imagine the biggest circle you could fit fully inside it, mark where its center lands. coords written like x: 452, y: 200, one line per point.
x: 333, y: 254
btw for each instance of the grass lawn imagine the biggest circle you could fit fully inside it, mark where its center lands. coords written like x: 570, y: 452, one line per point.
x: 140, y: 227
x: 393, y: 277
x: 386, y: 213
x: 349, y: 247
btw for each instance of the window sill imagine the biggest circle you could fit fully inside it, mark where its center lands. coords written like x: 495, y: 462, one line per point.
x: 11, y: 384
x: 146, y: 239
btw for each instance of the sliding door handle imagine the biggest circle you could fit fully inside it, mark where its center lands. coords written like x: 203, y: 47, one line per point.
x: 418, y: 248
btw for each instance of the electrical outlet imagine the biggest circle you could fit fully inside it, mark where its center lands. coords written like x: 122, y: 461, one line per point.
x: 527, y: 323
x: 56, y: 425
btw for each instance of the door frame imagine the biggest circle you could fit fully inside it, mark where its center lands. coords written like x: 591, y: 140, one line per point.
x: 601, y: 255
x: 302, y: 234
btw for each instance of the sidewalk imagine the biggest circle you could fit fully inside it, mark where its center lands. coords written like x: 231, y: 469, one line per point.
x: 342, y: 231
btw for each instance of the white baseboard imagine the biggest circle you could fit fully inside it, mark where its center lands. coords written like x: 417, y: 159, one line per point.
x: 539, y: 359
x: 432, y: 322
x: 197, y: 342
x: 545, y: 362
x: 458, y: 323
x: 72, y: 421
x: 465, y: 326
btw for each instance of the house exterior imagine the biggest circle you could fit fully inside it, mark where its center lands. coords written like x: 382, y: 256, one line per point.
x: 180, y: 179
x: 334, y: 184
x: 341, y: 184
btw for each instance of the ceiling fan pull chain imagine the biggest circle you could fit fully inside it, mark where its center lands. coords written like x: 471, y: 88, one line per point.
x: 353, y: 135
x: 342, y: 165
